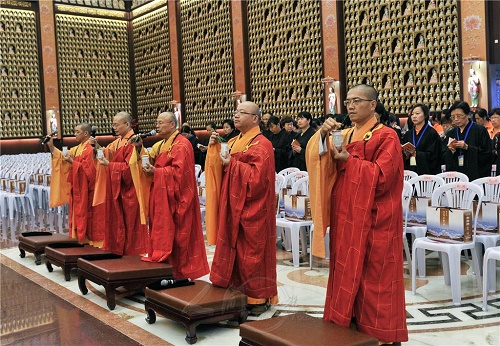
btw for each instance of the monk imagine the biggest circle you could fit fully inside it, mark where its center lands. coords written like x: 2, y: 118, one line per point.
x: 245, y: 253
x: 176, y: 235
x: 126, y: 192
x: 73, y: 181
x: 359, y: 189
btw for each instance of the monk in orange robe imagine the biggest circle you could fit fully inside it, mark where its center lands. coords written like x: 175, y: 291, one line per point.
x: 245, y: 253
x: 176, y: 235
x: 366, y: 281
x: 126, y: 192
x: 73, y: 182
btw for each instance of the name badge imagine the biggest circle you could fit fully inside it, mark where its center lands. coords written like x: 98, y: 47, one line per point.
x: 413, y: 161
x: 461, y: 160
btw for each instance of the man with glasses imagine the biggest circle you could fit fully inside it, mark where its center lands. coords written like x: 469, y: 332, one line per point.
x: 73, y: 181
x: 468, y: 145
x: 244, y: 215
x: 122, y: 179
x: 356, y: 189
x: 176, y: 235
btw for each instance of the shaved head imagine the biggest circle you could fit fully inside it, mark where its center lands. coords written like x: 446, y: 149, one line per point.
x: 369, y: 91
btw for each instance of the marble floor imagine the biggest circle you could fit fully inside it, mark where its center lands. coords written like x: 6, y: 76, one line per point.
x: 41, y: 308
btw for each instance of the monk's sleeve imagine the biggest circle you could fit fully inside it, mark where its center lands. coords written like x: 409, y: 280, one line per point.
x: 322, y: 173
x: 142, y: 183
x: 59, y: 186
x: 213, y: 182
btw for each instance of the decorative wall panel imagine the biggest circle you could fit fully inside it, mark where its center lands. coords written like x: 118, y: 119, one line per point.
x: 286, y: 67
x: 109, y: 4
x: 20, y: 98
x: 207, y: 61
x: 408, y: 50
x: 93, y: 71
x: 152, y: 66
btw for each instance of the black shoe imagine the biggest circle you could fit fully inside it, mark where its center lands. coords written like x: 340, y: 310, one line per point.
x: 257, y: 309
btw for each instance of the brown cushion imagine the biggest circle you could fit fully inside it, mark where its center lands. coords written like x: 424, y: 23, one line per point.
x: 301, y: 329
x: 198, y: 299
x: 70, y: 255
x: 125, y: 268
x: 42, y: 241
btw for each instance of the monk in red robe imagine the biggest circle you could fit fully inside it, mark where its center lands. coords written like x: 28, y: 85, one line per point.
x: 245, y: 253
x: 73, y: 181
x: 366, y: 281
x: 127, y: 192
x: 176, y: 235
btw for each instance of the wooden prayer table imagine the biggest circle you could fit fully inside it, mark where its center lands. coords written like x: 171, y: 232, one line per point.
x: 300, y: 330
x: 65, y: 255
x: 35, y: 242
x: 196, y: 304
x: 128, y: 273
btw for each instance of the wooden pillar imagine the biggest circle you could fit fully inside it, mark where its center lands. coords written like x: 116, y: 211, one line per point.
x: 331, y: 51
x: 174, y: 21
x: 241, y: 67
x: 473, y: 21
x: 49, y: 59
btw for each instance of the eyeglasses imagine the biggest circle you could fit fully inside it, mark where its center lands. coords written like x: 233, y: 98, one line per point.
x: 458, y: 116
x: 355, y: 102
x: 239, y: 111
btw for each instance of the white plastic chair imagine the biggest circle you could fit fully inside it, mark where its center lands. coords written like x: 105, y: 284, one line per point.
x: 278, y: 188
x: 452, y: 177
x: 294, y: 227
x: 492, y: 255
x: 491, y: 190
x: 423, y: 186
x: 406, y: 198
x: 409, y: 174
x: 286, y: 171
x: 197, y: 170
x: 457, y: 195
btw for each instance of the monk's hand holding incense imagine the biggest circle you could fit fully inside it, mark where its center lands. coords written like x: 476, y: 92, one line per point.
x: 103, y: 161
x: 341, y: 155
x: 213, y: 138
x: 329, y: 125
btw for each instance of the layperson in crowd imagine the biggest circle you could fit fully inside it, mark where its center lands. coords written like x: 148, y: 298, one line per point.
x: 299, y: 143
x: 387, y: 119
x: 245, y: 253
x: 126, y: 192
x: 422, y: 145
x: 176, y: 235
x: 211, y: 128
x: 264, y: 125
x: 282, y: 144
x: 446, y: 123
x: 73, y: 181
x: 191, y: 137
x: 229, y: 129
x: 436, y: 122
x: 357, y: 191
x: 481, y: 118
x: 468, y: 144
x: 495, y: 121
x: 287, y: 124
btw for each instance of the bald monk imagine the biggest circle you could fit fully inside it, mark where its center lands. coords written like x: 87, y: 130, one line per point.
x: 73, y: 181
x: 126, y: 192
x: 176, y: 235
x: 245, y: 253
x: 365, y: 217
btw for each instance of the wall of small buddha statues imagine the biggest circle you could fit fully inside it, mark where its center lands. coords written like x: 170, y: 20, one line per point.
x: 114, y: 55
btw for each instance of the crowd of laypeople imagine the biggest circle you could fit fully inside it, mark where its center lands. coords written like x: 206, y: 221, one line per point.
x: 456, y: 139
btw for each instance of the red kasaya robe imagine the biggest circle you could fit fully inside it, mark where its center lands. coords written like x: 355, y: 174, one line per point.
x: 366, y: 250
x: 125, y: 233
x: 176, y: 235
x: 86, y: 223
x: 245, y: 254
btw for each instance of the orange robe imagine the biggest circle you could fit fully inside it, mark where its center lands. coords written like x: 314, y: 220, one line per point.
x: 126, y: 192
x: 176, y: 235
x: 245, y: 254
x: 366, y: 255
x: 74, y: 183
